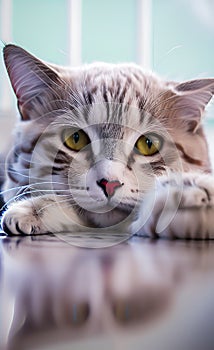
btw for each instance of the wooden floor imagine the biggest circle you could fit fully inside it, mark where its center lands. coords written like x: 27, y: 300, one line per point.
x: 139, y: 294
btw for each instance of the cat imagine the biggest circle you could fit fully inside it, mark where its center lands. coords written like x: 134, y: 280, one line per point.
x: 106, y: 147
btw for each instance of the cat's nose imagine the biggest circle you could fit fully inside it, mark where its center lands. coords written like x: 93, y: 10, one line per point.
x: 109, y: 187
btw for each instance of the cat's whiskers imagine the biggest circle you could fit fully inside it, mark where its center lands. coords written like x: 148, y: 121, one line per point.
x: 22, y: 175
x: 33, y: 192
x: 28, y: 176
x: 69, y: 200
x: 24, y: 187
x: 30, y: 189
x: 14, y: 199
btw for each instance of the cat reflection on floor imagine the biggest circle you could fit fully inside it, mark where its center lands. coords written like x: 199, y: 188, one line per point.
x: 49, y: 286
x: 89, y: 290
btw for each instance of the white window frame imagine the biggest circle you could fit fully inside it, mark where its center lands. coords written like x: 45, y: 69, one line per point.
x: 75, y: 32
x: 6, y: 36
x: 144, y: 33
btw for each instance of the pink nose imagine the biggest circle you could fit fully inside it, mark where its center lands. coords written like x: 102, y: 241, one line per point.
x: 109, y: 187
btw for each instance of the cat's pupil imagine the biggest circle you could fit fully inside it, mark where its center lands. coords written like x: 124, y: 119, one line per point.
x: 149, y: 143
x: 76, y: 137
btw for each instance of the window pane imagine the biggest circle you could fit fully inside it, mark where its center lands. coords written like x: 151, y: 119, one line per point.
x: 109, y: 30
x: 183, y: 38
x: 41, y: 27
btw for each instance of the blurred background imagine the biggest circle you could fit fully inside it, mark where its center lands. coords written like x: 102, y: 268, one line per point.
x: 171, y: 37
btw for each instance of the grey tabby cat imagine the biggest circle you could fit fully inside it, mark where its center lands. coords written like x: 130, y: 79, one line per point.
x: 106, y: 147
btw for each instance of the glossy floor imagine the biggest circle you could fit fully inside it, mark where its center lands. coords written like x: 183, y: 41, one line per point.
x: 138, y: 294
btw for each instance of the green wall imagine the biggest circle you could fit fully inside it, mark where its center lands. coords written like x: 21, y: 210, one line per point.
x: 181, y: 45
x: 109, y: 30
x: 41, y: 27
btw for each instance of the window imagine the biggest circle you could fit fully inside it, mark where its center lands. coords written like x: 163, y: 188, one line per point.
x: 172, y: 37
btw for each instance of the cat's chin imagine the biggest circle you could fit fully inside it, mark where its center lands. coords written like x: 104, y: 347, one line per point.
x: 110, y: 218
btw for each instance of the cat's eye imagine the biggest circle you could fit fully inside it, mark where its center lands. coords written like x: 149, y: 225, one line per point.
x: 76, y: 140
x: 148, y: 145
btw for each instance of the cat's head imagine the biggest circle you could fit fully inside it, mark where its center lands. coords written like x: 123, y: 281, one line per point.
x: 102, y: 132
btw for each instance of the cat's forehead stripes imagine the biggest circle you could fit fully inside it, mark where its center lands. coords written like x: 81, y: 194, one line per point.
x: 109, y: 130
x: 125, y: 87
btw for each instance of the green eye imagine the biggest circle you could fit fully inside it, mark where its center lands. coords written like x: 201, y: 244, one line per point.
x: 76, y: 140
x: 148, y: 145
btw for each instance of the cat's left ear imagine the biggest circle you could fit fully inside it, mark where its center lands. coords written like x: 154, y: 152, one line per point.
x: 192, y: 98
x: 33, y: 81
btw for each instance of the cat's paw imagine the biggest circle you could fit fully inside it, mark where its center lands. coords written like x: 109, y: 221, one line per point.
x: 22, y: 219
x: 180, y: 207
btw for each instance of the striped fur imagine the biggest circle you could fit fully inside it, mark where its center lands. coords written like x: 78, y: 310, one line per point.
x: 114, y: 105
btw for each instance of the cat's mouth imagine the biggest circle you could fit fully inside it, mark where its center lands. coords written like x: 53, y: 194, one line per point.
x: 105, y: 197
x: 101, y: 206
x: 110, y: 216
x: 109, y: 207
x: 125, y: 207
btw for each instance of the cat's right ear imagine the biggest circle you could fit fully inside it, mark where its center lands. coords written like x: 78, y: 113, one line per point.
x: 31, y: 79
x: 191, y: 100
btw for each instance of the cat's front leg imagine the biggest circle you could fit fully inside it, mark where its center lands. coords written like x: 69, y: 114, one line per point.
x: 179, y: 207
x: 39, y: 215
